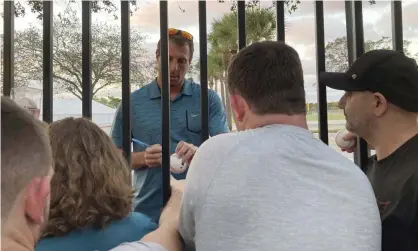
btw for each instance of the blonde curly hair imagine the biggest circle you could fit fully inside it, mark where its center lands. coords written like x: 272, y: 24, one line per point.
x: 92, y: 182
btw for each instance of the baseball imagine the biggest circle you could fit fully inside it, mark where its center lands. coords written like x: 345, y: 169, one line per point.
x: 176, y: 165
x: 339, y: 139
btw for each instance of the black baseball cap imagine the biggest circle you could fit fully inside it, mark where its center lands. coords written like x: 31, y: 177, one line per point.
x: 388, y: 72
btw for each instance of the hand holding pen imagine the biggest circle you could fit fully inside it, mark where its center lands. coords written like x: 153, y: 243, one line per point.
x: 152, y: 154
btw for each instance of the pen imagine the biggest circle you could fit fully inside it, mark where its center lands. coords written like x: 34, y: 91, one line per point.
x: 140, y: 142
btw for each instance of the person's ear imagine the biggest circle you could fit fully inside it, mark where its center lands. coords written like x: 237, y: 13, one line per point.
x: 380, y: 104
x: 37, y: 196
x: 238, y: 106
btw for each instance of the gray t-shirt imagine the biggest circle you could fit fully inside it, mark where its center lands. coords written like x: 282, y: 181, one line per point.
x: 277, y: 188
x: 139, y: 246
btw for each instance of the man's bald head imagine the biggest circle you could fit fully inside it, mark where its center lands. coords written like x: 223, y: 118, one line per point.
x: 25, y: 152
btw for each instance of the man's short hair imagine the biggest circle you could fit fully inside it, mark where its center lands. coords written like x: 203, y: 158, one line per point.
x: 178, y: 39
x: 25, y: 152
x: 269, y: 76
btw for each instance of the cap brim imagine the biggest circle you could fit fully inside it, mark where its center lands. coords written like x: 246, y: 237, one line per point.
x: 339, y: 81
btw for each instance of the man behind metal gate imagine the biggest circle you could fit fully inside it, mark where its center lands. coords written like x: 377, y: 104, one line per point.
x: 274, y: 186
x: 381, y: 106
x: 185, y: 123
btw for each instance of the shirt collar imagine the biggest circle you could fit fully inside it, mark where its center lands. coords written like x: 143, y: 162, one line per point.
x: 154, y: 90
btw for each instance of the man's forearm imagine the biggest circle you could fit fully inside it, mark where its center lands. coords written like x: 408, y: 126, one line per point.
x: 138, y: 160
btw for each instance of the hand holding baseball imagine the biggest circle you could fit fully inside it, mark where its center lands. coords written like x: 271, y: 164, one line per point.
x: 185, y: 151
x: 346, y: 141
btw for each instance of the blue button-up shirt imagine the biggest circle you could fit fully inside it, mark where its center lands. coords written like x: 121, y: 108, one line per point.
x: 147, y: 127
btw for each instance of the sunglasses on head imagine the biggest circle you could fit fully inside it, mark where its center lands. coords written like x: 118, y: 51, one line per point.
x: 185, y: 34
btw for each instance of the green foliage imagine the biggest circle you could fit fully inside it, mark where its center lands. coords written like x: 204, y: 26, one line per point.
x: 109, y: 101
x: 336, y: 52
x: 291, y: 5
x: 223, y: 39
x: 260, y: 25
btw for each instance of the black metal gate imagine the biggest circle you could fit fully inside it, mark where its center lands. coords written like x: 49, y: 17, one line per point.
x: 355, y: 40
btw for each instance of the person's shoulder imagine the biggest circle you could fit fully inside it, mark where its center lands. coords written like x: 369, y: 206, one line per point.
x: 223, y: 139
x: 143, y: 90
x: 193, y: 84
x: 334, y: 158
x: 46, y: 244
x: 222, y: 143
x: 133, y: 223
x: 73, y: 240
x: 141, y: 220
x: 214, y: 96
x: 197, y: 88
x: 194, y: 87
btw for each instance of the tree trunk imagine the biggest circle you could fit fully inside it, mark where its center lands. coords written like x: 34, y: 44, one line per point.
x: 211, y: 83
x: 222, y: 91
x: 228, y: 110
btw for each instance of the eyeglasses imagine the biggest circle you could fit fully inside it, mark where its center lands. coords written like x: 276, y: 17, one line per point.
x: 185, y: 34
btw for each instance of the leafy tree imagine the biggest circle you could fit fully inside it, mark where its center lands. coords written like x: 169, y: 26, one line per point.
x: 292, y: 5
x: 108, y: 6
x: 67, y: 57
x: 336, y: 52
x: 36, y: 6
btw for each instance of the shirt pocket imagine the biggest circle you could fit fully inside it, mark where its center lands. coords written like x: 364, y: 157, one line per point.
x: 193, y: 121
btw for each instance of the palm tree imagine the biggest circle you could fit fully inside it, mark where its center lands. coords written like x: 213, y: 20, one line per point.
x: 260, y: 25
x: 215, y: 68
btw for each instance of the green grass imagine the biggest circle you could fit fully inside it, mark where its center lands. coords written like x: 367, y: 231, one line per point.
x: 331, y: 116
x: 329, y: 130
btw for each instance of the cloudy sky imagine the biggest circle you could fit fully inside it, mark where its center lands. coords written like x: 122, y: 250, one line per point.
x: 300, y: 26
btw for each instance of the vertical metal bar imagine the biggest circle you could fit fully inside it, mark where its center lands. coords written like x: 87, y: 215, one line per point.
x: 165, y: 101
x: 86, y: 54
x: 241, y: 25
x: 359, y: 31
x: 204, y: 105
x: 48, y: 18
x: 397, y: 32
x: 8, y: 48
x: 320, y: 65
x: 280, y: 21
x: 351, y: 45
x: 126, y: 84
x: 361, y: 154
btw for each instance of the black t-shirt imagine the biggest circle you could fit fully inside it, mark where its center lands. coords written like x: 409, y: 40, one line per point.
x: 395, y: 183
